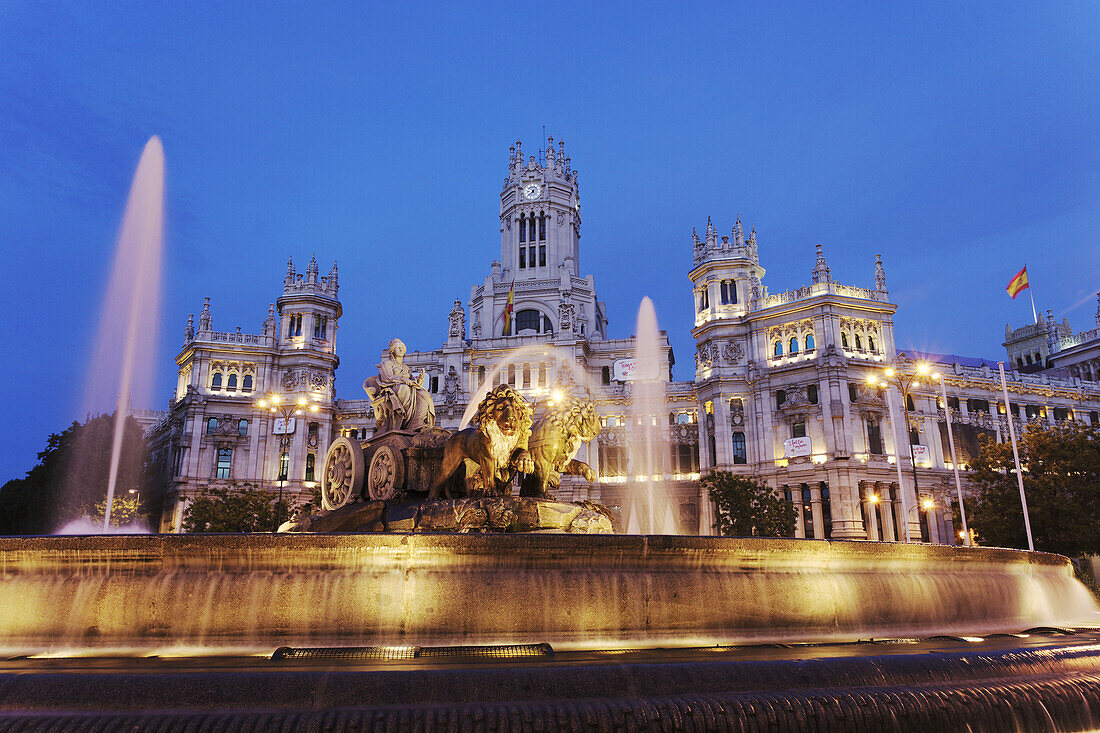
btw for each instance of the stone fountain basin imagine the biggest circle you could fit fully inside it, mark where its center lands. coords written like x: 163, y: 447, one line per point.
x: 233, y: 592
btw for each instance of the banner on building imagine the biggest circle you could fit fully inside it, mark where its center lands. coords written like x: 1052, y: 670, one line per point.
x: 921, y: 455
x: 794, y: 447
x: 627, y: 370
x: 283, y: 426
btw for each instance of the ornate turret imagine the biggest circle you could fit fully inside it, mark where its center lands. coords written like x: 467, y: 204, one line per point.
x: 738, y: 234
x: 710, y: 234
x: 821, y: 269
x: 270, y: 323
x: 206, y: 321
x: 295, y: 284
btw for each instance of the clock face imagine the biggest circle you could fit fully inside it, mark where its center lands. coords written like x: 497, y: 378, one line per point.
x: 531, y: 190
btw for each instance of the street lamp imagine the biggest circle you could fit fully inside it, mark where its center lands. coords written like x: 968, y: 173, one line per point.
x: 965, y: 534
x: 287, y: 408
x: 905, y: 383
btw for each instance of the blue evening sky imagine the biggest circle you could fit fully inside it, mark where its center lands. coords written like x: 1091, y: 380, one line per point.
x: 959, y: 140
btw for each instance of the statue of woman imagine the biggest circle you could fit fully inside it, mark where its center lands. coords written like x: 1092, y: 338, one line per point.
x: 400, y: 402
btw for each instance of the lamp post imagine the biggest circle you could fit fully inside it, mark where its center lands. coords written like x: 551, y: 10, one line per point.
x: 286, y: 408
x: 954, y: 461
x: 905, y: 383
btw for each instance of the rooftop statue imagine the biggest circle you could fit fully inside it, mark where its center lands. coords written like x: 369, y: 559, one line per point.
x: 399, y: 401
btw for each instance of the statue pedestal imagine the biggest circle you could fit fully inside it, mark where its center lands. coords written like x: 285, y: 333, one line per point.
x: 475, y: 514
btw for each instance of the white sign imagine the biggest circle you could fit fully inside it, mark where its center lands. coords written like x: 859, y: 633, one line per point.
x: 921, y: 455
x: 627, y: 370
x: 793, y: 447
x: 283, y: 426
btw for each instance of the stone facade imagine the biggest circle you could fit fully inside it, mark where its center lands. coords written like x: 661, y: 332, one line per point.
x: 778, y: 393
x: 213, y: 433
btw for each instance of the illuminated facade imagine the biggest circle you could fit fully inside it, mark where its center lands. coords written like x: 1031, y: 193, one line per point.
x: 213, y: 434
x: 779, y: 390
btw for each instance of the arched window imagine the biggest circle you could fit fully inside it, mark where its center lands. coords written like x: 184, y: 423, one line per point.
x: 542, y: 227
x: 531, y: 227
x: 481, y: 374
x: 231, y: 385
x: 859, y: 344
x: 542, y: 255
x: 528, y: 319
x: 546, y: 327
x: 311, y: 465
x: 794, y: 345
x: 247, y: 386
x: 522, y: 257
x: 871, y: 343
x: 844, y: 340
x: 212, y: 425
x: 522, y: 228
x: 809, y: 342
x: 216, y: 382
x: 1038, y: 359
x: 779, y: 348
x: 1019, y: 362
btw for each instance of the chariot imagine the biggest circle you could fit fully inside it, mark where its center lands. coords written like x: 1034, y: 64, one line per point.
x: 382, y: 468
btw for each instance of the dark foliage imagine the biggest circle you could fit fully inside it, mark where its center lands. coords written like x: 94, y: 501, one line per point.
x: 236, y: 508
x: 1061, y: 468
x: 71, y: 477
x: 745, y: 508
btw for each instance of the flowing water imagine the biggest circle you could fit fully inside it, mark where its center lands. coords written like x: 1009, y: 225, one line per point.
x: 217, y: 592
x: 651, y: 509
x: 122, y: 366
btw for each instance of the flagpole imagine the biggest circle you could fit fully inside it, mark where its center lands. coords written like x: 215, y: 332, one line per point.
x: 1031, y: 295
x: 1016, y: 457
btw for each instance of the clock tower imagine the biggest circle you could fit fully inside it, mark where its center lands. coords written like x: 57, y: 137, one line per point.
x: 540, y: 215
x: 535, y: 289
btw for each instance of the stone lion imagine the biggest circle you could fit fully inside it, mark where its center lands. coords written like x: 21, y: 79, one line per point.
x: 493, y: 451
x: 554, y: 442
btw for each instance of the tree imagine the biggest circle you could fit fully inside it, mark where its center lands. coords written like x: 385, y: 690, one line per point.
x: 745, y: 508
x: 237, y: 508
x: 71, y: 477
x: 1061, y: 467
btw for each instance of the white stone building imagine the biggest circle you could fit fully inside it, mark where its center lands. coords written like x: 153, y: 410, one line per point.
x: 214, y: 434
x: 779, y: 390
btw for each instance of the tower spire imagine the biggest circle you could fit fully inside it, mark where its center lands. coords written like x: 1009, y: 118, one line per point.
x: 880, y: 275
x: 821, y: 268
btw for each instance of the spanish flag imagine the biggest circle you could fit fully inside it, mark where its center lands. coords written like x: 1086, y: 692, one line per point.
x: 508, y: 310
x: 1018, y: 283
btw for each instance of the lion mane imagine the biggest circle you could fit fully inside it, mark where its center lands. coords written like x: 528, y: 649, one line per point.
x: 490, y: 456
x: 555, y: 438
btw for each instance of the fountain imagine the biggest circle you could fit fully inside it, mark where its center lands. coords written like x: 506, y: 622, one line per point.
x: 421, y: 623
x: 122, y: 365
x: 652, y: 512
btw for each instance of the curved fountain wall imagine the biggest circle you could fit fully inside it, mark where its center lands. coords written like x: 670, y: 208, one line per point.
x: 263, y: 591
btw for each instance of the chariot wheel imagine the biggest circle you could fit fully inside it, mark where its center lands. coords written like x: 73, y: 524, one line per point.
x: 386, y: 474
x: 343, y: 474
